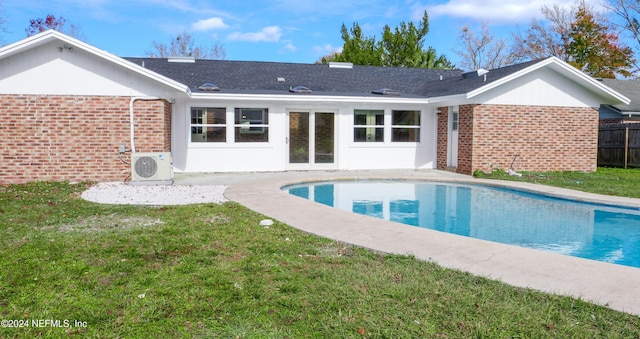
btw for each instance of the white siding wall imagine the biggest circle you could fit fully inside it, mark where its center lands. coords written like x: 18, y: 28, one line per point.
x: 227, y: 157
x: 388, y: 155
x: 544, y: 87
x: 47, y: 70
x: 272, y: 156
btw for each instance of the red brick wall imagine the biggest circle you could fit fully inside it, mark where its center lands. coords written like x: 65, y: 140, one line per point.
x: 544, y: 138
x: 466, y: 133
x: 75, y: 138
x: 442, y: 142
x: 152, y: 125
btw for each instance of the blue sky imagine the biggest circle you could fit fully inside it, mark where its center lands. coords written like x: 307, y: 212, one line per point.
x: 275, y: 30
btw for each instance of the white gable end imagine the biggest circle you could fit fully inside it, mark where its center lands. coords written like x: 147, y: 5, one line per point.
x: 543, y: 87
x: 58, y: 69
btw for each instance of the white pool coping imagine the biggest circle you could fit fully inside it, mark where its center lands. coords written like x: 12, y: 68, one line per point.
x: 610, y: 285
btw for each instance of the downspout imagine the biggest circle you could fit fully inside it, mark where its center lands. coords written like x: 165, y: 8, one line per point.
x: 131, y: 121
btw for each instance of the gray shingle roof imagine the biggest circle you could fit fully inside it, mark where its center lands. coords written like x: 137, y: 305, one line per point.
x: 461, y: 85
x: 628, y: 88
x: 252, y: 77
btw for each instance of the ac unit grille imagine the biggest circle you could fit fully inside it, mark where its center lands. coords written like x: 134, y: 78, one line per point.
x: 146, y: 167
x: 151, y: 167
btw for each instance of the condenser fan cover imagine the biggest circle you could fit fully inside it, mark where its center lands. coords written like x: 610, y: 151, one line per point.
x: 146, y: 167
x: 151, y: 168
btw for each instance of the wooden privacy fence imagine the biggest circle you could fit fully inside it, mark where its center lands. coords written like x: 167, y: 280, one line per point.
x: 619, y: 145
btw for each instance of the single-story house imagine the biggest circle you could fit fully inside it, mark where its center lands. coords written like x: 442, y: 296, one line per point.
x: 622, y: 113
x: 619, y: 132
x: 71, y: 111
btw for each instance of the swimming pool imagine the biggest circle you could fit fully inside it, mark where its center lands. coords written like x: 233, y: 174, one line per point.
x: 593, y: 231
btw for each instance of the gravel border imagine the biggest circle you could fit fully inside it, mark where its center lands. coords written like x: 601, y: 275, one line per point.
x: 124, y: 194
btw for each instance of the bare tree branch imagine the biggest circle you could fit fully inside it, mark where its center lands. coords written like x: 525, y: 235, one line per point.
x: 544, y: 38
x: 483, y: 51
x: 626, y: 14
x: 183, y: 45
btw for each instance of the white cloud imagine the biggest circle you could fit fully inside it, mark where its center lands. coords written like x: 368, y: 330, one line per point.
x: 290, y: 47
x: 267, y: 34
x: 326, y: 49
x: 209, y: 24
x: 503, y: 11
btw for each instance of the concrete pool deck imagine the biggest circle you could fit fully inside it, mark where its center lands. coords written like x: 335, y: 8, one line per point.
x: 610, y: 285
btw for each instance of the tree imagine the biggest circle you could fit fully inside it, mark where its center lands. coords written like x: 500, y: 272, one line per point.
x: 400, y: 47
x: 430, y: 59
x: 625, y: 16
x: 627, y: 13
x: 325, y: 59
x: 359, y: 49
x: 482, y: 51
x: 404, y: 43
x: 577, y: 36
x: 544, y: 38
x: 183, y: 45
x: 596, y: 50
x: 3, y: 23
x: 51, y: 22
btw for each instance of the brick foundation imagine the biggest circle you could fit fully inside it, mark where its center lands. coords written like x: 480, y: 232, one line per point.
x: 76, y: 138
x: 543, y: 138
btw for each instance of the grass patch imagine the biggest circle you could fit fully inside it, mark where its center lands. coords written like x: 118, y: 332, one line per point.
x: 609, y: 181
x: 211, y: 270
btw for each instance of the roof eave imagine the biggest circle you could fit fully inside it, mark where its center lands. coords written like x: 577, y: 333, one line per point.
x: 622, y: 112
x: 448, y: 98
x: 306, y: 98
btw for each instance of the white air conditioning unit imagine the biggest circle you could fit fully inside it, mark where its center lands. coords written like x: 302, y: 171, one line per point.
x: 151, y: 168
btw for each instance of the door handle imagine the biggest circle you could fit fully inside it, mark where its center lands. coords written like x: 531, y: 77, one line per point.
x: 286, y: 140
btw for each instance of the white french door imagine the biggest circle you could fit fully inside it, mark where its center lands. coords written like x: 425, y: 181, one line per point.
x: 311, y: 140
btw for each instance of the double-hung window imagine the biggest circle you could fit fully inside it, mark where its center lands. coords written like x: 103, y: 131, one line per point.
x: 251, y: 125
x: 208, y: 124
x: 405, y: 126
x: 368, y: 125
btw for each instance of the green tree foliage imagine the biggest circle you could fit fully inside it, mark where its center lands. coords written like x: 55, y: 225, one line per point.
x: 578, y: 37
x: 402, y: 46
x: 594, y: 49
x: 544, y: 38
x: 359, y: 49
x: 430, y: 59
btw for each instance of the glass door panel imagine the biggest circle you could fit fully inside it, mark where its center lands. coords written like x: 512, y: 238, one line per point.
x: 299, y: 137
x: 324, y: 138
x: 311, y: 140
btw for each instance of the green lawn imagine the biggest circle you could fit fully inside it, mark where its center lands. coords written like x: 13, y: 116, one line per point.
x: 211, y: 270
x: 610, y: 181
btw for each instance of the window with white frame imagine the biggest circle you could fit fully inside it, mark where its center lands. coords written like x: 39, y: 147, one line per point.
x: 454, y: 121
x: 405, y: 126
x: 208, y: 124
x: 251, y: 125
x: 368, y: 125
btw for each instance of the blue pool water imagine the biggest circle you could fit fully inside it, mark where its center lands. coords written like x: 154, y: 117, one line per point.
x: 599, y: 232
